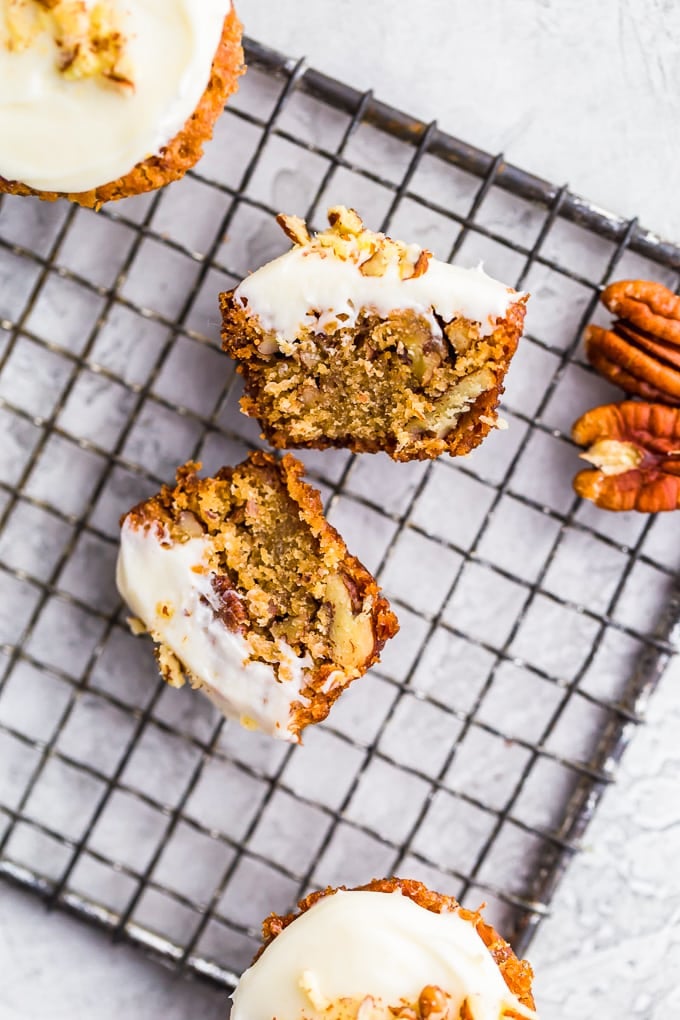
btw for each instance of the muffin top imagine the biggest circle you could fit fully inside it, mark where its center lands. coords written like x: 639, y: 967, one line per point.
x: 91, y: 88
x: 369, y: 955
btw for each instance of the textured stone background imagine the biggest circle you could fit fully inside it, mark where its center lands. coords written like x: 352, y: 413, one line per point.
x: 587, y: 93
x: 590, y: 94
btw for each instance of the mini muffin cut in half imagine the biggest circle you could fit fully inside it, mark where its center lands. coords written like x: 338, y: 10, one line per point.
x: 104, y: 99
x: 353, y: 339
x: 250, y: 595
x: 389, y: 950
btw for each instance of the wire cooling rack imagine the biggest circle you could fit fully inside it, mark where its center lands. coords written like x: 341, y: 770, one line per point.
x: 533, y: 626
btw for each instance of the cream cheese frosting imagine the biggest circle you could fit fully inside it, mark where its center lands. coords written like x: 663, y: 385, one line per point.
x: 359, y: 945
x: 168, y: 586
x: 308, y: 288
x: 72, y: 136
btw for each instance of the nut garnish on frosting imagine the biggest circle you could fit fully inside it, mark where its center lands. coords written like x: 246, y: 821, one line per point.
x: 88, y: 38
x: 348, y: 239
x: 433, y: 1003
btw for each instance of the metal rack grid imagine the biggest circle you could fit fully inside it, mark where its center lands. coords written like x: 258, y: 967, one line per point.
x: 533, y: 626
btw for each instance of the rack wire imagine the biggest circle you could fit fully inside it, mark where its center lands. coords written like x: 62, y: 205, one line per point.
x: 534, y: 627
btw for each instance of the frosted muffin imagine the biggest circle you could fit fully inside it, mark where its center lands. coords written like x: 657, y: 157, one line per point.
x: 391, y: 950
x: 355, y: 339
x: 103, y: 99
x: 250, y: 595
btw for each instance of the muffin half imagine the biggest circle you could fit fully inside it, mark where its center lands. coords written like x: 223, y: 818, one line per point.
x: 250, y: 595
x: 356, y: 340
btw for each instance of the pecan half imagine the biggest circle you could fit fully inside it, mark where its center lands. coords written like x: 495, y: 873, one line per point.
x: 641, y: 351
x: 347, y: 238
x: 648, y: 305
x: 635, y: 449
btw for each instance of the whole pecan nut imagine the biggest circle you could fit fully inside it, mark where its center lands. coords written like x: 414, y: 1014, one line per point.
x: 641, y: 351
x: 635, y: 450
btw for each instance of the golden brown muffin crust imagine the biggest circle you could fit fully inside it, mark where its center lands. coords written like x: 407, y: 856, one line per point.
x: 183, y: 151
x: 517, y: 973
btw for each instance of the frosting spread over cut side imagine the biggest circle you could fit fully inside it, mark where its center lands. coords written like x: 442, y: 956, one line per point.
x: 168, y: 586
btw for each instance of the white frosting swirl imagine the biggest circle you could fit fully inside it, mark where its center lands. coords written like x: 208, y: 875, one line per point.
x: 359, y: 944
x: 71, y: 136
x: 168, y: 587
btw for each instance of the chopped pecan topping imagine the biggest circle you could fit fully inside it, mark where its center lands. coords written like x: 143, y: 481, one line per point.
x: 635, y: 448
x: 88, y: 37
x: 349, y: 240
x: 433, y: 1003
x: 465, y: 1012
x: 420, y: 265
x: 376, y: 265
x: 344, y: 220
x: 294, y: 227
x: 641, y: 351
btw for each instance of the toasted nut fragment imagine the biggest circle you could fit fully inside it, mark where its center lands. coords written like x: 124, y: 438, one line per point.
x: 22, y: 24
x: 294, y: 227
x: 351, y: 634
x: 232, y: 611
x: 461, y: 334
x: 368, y: 1010
x: 309, y: 984
x: 376, y: 265
x: 268, y: 346
x: 433, y: 1003
x: 427, y: 352
x: 449, y: 408
x: 344, y: 220
x: 189, y: 526
x: 636, y: 449
x: 348, y: 239
x: 89, y: 41
x: 422, y: 262
x: 169, y: 666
